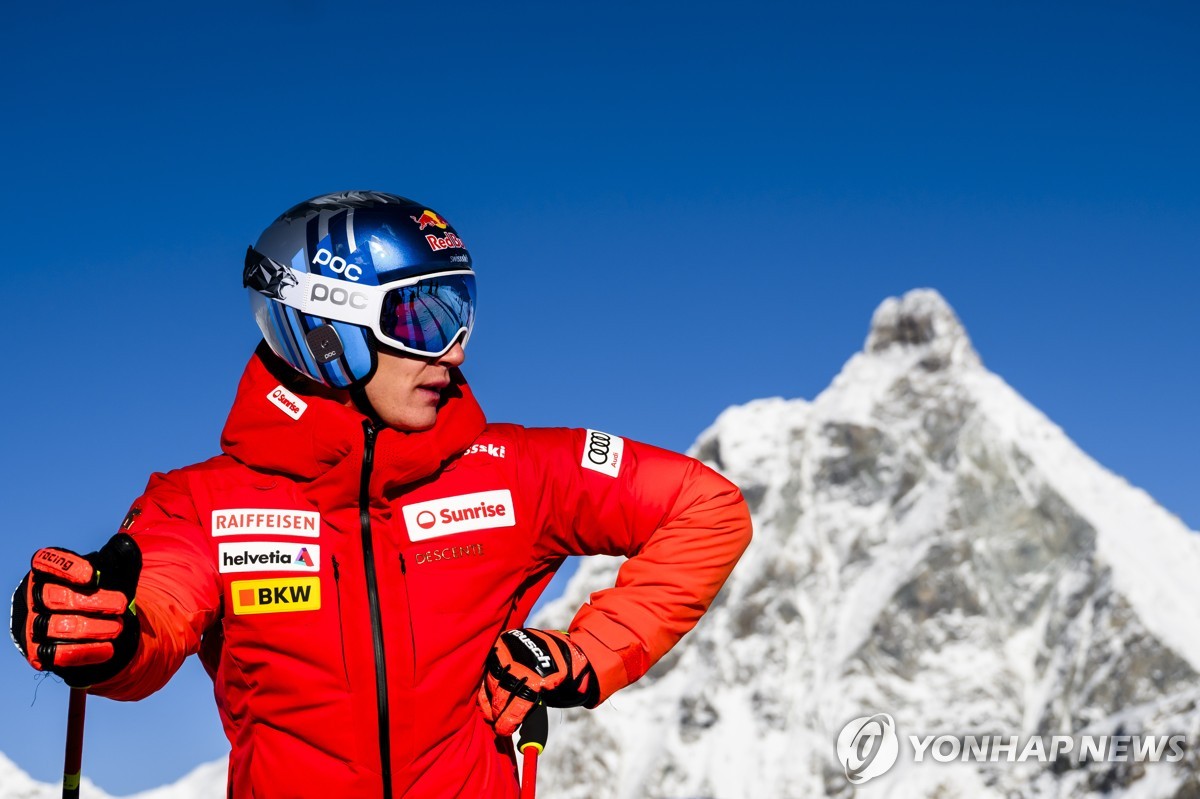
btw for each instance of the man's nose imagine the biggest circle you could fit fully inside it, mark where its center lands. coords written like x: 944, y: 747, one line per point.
x: 454, y: 356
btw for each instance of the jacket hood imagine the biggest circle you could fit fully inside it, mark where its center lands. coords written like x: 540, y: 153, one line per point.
x: 284, y: 424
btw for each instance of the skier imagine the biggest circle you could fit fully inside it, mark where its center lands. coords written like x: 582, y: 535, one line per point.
x: 355, y: 569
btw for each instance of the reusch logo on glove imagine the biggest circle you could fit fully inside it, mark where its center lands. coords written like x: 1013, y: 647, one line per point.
x: 544, y: 661
x: 483, y: 510
x: 280, y: 595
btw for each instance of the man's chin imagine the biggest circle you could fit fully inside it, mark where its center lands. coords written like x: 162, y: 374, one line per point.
x: 412, y: 422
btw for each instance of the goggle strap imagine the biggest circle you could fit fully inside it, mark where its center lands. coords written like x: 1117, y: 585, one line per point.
x: 333, y: 298
x: 325, y: 297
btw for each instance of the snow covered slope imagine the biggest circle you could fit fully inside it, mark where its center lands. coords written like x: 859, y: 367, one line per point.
x: 927, y: 545
x: 203, y: 782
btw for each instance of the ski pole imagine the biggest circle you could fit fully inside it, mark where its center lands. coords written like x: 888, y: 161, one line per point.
x: 534, y: 730
x: 73, y: 762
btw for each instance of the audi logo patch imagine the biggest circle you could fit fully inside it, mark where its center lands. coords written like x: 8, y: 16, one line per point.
x: 603, y: 453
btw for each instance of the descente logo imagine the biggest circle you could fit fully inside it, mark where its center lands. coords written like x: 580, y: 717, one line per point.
x: 483, y: 510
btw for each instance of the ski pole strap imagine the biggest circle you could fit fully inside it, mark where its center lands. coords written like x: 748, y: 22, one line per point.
x: 73, y: 762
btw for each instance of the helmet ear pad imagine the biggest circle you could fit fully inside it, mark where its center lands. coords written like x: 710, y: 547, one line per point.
x: 334, y: 354
x: 357, y: 360
x: 293, y: 380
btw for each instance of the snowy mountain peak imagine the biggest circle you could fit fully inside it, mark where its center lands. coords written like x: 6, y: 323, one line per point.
x: 923, y: 321
x: 928, y: 545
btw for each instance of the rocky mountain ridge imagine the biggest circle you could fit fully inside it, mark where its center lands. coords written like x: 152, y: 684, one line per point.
x: 927, y: 545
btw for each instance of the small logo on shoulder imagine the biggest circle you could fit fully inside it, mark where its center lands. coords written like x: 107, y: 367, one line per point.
x: 287, y: 402
x: 486, y: 449
x: 603, y: 453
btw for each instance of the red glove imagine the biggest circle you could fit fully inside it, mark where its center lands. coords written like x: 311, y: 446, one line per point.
x: 528, y: 667
x: 74, y: 614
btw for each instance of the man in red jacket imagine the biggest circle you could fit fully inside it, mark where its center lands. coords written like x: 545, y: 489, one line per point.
x: 355, y: 569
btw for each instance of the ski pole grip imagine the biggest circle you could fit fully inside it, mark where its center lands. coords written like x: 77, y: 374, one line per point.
x: 534, y: 729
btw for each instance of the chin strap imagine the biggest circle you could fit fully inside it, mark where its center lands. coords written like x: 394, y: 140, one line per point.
x: 358, y: 395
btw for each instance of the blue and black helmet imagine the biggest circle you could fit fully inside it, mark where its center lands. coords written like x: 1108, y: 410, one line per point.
x: 339, y: 275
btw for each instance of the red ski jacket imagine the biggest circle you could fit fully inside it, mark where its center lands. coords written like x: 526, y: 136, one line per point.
x: 344, y: 584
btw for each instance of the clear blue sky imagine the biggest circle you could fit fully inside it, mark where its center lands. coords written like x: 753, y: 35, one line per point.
x: 672, y: 208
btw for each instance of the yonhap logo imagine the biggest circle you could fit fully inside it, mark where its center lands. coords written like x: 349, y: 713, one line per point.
x: 868, y: 747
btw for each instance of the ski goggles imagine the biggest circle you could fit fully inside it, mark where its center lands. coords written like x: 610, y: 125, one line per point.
x: 423, y: 315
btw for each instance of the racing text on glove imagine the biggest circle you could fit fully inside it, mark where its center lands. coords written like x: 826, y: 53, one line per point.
x: 74, y: 614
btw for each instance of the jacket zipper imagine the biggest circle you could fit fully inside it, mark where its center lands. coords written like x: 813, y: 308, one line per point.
x: 381, y: 690
x: 337, y: 583
x: 412, y: 633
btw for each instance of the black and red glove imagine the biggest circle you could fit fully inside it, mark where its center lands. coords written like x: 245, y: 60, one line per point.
x: 74, y: 614
x: 528, y: 667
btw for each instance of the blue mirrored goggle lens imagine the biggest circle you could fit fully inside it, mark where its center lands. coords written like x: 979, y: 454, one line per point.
x: 427, y: 316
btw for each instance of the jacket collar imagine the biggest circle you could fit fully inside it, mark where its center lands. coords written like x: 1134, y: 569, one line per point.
x: 284, y: 424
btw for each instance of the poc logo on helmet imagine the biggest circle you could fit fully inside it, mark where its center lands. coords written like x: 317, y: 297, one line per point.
x: 337, y: 296
x: 325, y: 258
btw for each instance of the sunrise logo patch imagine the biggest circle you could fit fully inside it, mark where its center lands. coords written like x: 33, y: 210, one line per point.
x: 278, y: 595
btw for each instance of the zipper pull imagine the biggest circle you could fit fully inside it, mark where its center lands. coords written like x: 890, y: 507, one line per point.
x: 403, y: 567
x: 336, y: 572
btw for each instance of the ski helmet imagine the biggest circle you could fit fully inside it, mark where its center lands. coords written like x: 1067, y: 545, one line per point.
x: 338, y: 275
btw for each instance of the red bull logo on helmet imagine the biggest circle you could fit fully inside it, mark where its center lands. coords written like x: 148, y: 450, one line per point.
x: 428, y: 218
x: 449, y: 241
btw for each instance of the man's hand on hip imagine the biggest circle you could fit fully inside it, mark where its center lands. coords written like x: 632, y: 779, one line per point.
x: 528, y: 667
